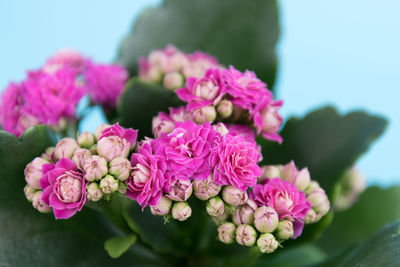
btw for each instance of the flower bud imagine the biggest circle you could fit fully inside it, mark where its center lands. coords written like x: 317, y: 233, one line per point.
x: 162, y: 124
x: 215, y: 206
x: 65, y: 148
x: 100, y: 129
x: 245, y: 213
x: 271, y: 120
x: 284, y: 230
x: 270, y: 171
x: 109, y: 184
x: 38, y: 203
x: 205, y: 189
x: 33, y: 172
x: 246, y: 235
x: 322, y: 208
x: 122, y: 188
x: 180, y: 190
x: 302, y: 179
x: 95, y: 168
x: 86, y: 140
x: 93, y: 149
x: 230, y: 210
x: 221, y: 128
x: 113, y: 146
x: 163, y: 206
x: 227, y: 233
x: 80, y: 156
x: 181, y: 211
x: 312, y: 186
x: 267, y: 243
x: 48, y: 154
x: 206, y: 89
x: 29, y: 191
x: 203, y: 114
x: 173, y: 80
x: 225, y: 108
x: 317, y: 198
x: 120, y: 168
x: 234, y: 196
x: 311, y: 217
x: 265, y: 219
x: 93, y: 192
x: 220, y: 218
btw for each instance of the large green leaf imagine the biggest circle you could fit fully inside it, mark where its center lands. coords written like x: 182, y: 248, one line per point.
x: 375, y: 208
x: 324, y: 141
x: 118, y: 245
x: 381, y: 249
x: 237, y: 32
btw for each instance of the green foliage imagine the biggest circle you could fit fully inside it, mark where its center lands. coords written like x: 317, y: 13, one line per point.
x: 116, y: 246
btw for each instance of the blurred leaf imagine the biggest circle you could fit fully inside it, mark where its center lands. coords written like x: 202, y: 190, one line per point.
x: 325, y: 142
x: 375, y: 208
x: 140, y: 102
x: 116, y: 246
x: 239, y: 33
x: 381, y: 249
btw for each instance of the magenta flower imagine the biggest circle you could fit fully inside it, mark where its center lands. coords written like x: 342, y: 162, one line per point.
x: 148, y: 179
x: 69, y: 58
x: 64, y: 188
x: 268, y: 121
x: 236, y: 162
x: 243, y: 130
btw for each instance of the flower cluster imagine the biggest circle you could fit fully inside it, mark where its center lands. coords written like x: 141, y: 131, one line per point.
x: 50, y: 95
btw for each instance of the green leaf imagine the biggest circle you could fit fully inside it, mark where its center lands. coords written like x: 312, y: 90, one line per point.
x: 381, y: 249
x: 375, y: 208
x: 140, y: 102
x: 116, y: 246
x: 239, y: 33
x: 326, y: 142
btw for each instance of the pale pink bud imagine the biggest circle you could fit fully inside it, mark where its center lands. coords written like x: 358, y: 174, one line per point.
x: 181, y: 211
x: 113, y: 146
x: 322, y: 208
x: 270, y: 171
x: 227, y: 233
x: 33, y: 172
x: 312, y: 186
x: 93, y: 192
x: 176, y: 62
x: 163, y: 207
x: 162, y: 125
x: 157, y: 57
x: 265, y: 219
x: 100, y: 129
x: 86, y: 139
x: 271, y: 120
x: 311, y: 217
x: 246, y: 235
x: 120, y: 168
x: 180, y: 190
x: 48, y: 154
x: 225, y: 108
x: 317, y: 198
x: 284, y: 230
x: 289, y: 172
x: 79, y: 157
x: 206, y: 89
x: 65, y: 148
x: 205, y: 189
x: 173, y: 80
x: 109, y: 184
x: 245, y: 213
x: 215, y: 206
x: 29, y: 191
x: 221, y: 128
x: 95, y: 168
x: 68, y: 187
x: 302, y: 179
x: 154, y: 74
x: 267, y: 243
x: 234, y: 196
x: 93, y: 149
x: 39, y: 204
x: 203, y: 114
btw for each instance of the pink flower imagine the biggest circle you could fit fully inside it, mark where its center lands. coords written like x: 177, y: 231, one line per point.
x: 148, y: 180
x: 236, y: 162
x: 187, y: 150
x: 180, y: 190
x: 69, y: 58
x: 285, y: 198
x: 105, y: 83
x: 199, y: 63
x: 64, y: 188
x: 242, y: 130
x: 267, y: 122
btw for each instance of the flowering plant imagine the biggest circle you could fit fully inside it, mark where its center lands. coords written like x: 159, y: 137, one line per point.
x: 195, y: 166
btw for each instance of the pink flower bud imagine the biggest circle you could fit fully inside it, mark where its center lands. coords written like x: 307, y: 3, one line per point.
x: 120, y: 168
x: 154, y: 74
x: 39, y: 204
x: 289, y: 172
x: 29, y: 191
x: 267, y: 243
x: 48, y: 154
x: 284, y: 230
x: 95, y: 168
x: 181, y: 211
x: 68, y: 188
x: 65, y: 148
x: 227, y: 232
x: 246, y: 235
x: 113, y: 146
x: 322, y: 208
x: 109, y: 184
x: 271, y: 120
x: 180, y: 190
x: 86, y: 140
x: 205, y: 189
x: 311, y: 217
x: 93, y: 192
x: 245, y: 213
x: 162, y: 124
x: 206, y: 89
x: 79, y: 157
x: 173, y: 80
x: 312, y: 186
x: 225, y: 108
x: 100, y: 129
x: 302, y: 179
x: 270, y: 172
x: 33, y: 172
x: 163, y: 206
x: 265, y: 219
x: 221, y: 128
x: 203, y: 114
x: 215, y: 206
x: 93, y: 149
x: 234, y: 196
x: 317, y: 198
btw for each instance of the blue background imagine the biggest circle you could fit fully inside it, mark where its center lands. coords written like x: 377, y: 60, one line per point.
x: 341, y: 52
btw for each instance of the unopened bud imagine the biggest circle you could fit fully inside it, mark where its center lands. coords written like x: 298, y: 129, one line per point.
x: 109, y: 184
x: 284, y: 230
x: 245, y: 213
x: 163, y: 207
x: 220, y: 218
x: 225, y: 108
x: 38, y: 203
x: 180, y: 190
x: 312, y: 186
x: 246, y: 235
x: 100, y: 129
x: 48, y: 154
x: 203, y: 114
x: 265, y: 219
x: 65, y: 148
x: 215, y: 206
x: 95, y: 168
x: 227, y: 233
x: 205, y: 189
x: 86, y: 139
x: 267, y: 243
x: 173, y: 80
x: 181, y: 211
x: 33, y: 172
x: 302, y: 179
x: 93, y: 192
x: 29, y: 191
x: 80, y: 156
x: 120, y: 168
x: 270, y: 172
x: 311, y: 217
x: 234, y: 196
x: 122, y: 188
x: 221, y: 128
